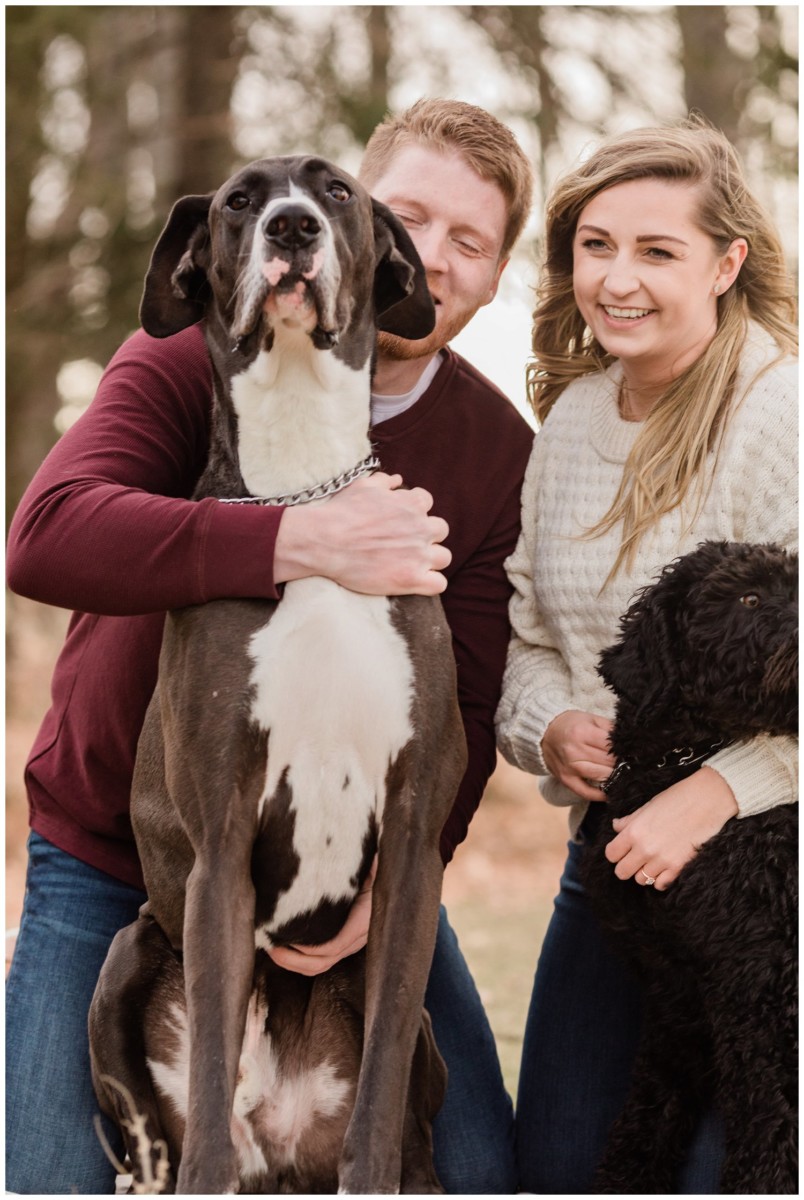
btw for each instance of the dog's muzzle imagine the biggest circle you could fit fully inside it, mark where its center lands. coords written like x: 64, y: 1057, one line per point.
x: 293, y: 274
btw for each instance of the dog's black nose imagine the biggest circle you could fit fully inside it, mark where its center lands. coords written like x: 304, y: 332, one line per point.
x: 292, y: 227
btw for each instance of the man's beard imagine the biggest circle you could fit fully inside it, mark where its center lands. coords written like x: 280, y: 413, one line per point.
x: 399, y: 349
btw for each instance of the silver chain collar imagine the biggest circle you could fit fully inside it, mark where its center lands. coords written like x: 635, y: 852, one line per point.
x: 319, y: 492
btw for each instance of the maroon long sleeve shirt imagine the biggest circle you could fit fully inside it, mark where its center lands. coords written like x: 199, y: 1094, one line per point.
x: 107, y: 529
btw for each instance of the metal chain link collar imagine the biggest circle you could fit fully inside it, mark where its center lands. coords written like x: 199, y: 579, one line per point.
x: 319, y: 492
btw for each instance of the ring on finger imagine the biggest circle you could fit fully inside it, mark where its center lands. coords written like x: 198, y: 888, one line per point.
x: 649, y: 880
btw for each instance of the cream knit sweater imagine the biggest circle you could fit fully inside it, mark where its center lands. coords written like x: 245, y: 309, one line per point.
x: 561, y: 620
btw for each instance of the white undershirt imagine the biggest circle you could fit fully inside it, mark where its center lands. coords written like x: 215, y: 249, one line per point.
x: 385, y: 407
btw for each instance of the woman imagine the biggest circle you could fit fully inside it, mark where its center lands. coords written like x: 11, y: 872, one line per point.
x: 663, y: 379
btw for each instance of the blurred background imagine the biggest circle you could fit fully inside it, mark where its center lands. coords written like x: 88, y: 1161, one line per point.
x: 115, y: 111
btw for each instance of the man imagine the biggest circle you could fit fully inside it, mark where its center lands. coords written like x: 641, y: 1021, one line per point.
x: 106, y: 528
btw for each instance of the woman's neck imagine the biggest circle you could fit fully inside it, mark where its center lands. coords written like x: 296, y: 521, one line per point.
x: 636, y: 400
x: 645, y: 380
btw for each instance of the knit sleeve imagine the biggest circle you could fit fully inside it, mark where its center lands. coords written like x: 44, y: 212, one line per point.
x: 763, y: 772
x: 536, y: 684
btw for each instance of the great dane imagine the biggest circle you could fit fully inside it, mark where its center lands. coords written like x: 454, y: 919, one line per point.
x: 287, y: 743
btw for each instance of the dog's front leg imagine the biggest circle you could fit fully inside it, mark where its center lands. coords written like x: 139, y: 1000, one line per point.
x: 218, y: 971
x: 400, y: 949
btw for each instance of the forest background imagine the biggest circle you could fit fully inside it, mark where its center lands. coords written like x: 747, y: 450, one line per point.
x: 114, y: 111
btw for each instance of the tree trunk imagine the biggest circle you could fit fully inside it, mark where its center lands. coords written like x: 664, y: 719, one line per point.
x: 714, y: 77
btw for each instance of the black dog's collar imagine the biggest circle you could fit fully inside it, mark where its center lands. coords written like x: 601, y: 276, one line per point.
x: 679, y: 756
x: 319, y: 492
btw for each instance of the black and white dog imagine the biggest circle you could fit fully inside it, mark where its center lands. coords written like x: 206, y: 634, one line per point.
x: 286, y: 743
x: 707, y: 656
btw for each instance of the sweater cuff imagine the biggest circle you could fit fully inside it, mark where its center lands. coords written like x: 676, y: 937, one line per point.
x: 520, y: 732
x: 237, y: 560
x: 762, y: 773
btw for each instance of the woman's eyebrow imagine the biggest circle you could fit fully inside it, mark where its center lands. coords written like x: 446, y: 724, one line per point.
x: 643, y: 237
x: 661, y: 237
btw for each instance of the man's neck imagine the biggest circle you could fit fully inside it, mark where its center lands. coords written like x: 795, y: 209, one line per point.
x: 395, y: 377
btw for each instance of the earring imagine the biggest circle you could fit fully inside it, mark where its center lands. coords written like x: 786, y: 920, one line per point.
x: 716, y: 288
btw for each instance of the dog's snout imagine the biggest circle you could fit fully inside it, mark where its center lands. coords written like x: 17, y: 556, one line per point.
x: 292, y: 227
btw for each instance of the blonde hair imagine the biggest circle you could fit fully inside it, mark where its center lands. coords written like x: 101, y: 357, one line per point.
x: 669, y: 455
x: 488, y: 146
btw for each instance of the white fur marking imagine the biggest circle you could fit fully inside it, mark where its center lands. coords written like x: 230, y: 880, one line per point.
x: 278, y: 1106
x: 333, y: 686
x: 326, y: 267
x: 302, y: 416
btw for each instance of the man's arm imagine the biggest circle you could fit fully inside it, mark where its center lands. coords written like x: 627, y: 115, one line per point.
x: 107, y: 525
x: 374, y: 537
x: 476, y: 606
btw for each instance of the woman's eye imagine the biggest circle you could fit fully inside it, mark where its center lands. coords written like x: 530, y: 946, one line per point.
x: 658, y: 252
x: 750, y: 600
x: 237, y: 202
x: 593, y: 244
x: 339, y: 192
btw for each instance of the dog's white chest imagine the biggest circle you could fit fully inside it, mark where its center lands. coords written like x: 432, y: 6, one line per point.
x: 302, y: 418
x: 332, y: 685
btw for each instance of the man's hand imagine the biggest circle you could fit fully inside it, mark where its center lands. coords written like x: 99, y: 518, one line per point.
x: 659, y: 839
x: 373, y: 537
x: 575, y: 749
x: 314, y: 960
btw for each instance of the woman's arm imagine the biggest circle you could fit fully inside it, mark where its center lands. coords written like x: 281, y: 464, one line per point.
x: 536, y: 683
x: 758, y: 483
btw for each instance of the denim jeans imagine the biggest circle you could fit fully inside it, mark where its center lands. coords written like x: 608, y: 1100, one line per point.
x: 70, y: 916
x: 473, y: 1135
x: 580, y: 1040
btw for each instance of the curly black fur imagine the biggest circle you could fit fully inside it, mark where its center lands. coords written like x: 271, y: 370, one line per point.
x: 707, y: 655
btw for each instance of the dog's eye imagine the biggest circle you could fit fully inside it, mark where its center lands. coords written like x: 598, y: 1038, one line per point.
x: 237, y: 202
x: 339, y: 191
x: 750, y: 600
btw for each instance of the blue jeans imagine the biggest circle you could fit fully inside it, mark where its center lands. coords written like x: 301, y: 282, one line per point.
x: 473, y: 1134
x: 70, y: 916
x: 580, y: 1040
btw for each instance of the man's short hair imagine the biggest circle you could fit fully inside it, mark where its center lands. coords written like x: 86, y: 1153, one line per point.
x: 487, y: 145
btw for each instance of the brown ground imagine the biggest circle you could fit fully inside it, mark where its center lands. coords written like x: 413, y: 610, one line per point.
x: 498, y: 888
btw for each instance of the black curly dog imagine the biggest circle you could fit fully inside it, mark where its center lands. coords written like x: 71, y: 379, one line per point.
x: 707, y: 656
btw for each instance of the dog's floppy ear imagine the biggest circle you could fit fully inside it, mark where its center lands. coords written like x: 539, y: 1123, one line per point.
x: 402, y: 301
x: 644, y: 664
x: 176, y: 289
x: 641, y: 667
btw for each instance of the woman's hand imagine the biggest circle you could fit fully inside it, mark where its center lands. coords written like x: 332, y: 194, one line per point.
x: 575, y: 749
x: 314, y: 960
x: 658, y: 840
